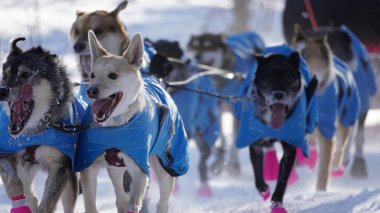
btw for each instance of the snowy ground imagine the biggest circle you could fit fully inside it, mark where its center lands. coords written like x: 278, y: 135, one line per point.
x: 48, y: 22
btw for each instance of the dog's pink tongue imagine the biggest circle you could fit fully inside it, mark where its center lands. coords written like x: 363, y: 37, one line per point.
x: 100, y: 107
x: 26, y: 94
x: 278, y: 115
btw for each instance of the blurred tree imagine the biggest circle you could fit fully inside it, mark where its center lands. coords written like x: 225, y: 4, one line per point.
x: 241, y: 15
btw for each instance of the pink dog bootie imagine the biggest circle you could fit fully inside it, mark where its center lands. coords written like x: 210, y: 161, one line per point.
x: 204, y: 191
x: 277, y: 207
x: 312, y: 161
x: 19, y: 205
x: 301, y: 159
x: 337, y: 171
x: 270, y: 164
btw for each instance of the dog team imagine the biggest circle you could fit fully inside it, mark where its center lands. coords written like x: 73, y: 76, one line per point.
x: 129, y: 117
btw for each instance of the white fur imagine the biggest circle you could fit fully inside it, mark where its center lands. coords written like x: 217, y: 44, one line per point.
x: 215, y: 56
x: 112, y: 43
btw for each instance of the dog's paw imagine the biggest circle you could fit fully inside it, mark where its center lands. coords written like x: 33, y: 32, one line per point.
x: 338, y: 171
x: 204, y: 191
x: 266, y: 194
x: 359, y: 168
x: 233, y: 167
x: 278, y: 207
x: 22, y: 209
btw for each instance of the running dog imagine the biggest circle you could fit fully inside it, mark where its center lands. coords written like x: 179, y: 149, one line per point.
x: 36, y: 97
x: 233, y: 53
x: 282, y: 110
x: 338, y: 102
x: 133, y: 119
x: 200, y: 113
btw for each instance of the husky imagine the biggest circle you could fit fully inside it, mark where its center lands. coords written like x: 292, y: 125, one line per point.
x: 200, y: 113
x: 108, y: 28
x: 338, y: 102
x: 36, y: 96
x: 144, y: 122
x: 282, y: 110
x: 233, y: 52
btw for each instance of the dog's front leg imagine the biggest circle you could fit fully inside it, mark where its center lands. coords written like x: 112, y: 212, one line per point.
x: 27, y: 172
x: 116, y: 174
x: 138, y: 185
x: 341, y: 145
x: 325, y: 150
x: 70, y: 193
x: 256, y: 154
x: 11, y: 181
x: 89, y: 182
x: 286, y: 165
x: 58, y: 175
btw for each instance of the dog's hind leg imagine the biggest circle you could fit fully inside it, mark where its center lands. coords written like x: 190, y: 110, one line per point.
x: 233, y: 166
x: 286, y: 165
x: 218, y: 164
x: 89, y: 181
x: 256, y: 154
x: 116, y: 174
x: 138, y: 186
x: 8, y: 171
x: 359, y: 166
x: 325, y: 152
x: 70, y: 193
x: 58, y: 175
x: 166, y: 184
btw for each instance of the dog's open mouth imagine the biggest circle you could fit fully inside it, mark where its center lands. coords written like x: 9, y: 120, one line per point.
x: 279, y: 111
x: 85, y: 63
x: 103, y: 108
x: 21, y: 109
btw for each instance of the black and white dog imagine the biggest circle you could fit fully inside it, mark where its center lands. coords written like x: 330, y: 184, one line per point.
x: 282, y: 110
x: 36, y: 95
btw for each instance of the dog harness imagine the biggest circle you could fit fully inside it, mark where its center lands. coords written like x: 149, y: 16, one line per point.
x: 364, y: 74
x: 243, y: 46
x: 64, y: 142
x: 157, y: 130
x: 302, y: 120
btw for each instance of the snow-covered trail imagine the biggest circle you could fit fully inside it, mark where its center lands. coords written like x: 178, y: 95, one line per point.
x: 177, y: 20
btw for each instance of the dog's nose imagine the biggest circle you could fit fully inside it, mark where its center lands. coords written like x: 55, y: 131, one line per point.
x: 79, y: 47
x: 92, y: 92
x: 279, y: 95
x: 4, y: 93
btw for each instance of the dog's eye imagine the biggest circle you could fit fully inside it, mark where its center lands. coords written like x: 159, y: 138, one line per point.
x: 25, y: 75
x: 76, y: 31
x: 92, y: 75
x: 98, y: 31
x: 112, y: 76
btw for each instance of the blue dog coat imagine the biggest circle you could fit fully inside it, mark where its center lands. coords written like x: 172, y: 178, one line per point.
x: 243, y: 46
x: 364, y: 74
x: 199, y: 112
x: 64, y: 142
x: 157, y: 130
x: 302, y: 120
x: 339, y: 99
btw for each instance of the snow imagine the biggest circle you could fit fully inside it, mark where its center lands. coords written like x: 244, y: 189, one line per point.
x: 177, y: 20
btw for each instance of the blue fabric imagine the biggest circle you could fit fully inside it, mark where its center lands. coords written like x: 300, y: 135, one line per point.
x: 64, y: 142
x: 303, y: 119
x: 364, y: 74
x: 199, y: 112
x: 339, y: 99
x: 158, y: 130
x: 243, y: 46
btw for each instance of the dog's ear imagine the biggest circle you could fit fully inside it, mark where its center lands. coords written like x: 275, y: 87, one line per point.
x: 96, y: 48
x: 119, y: 8
x: 15, y: 50
x: 294, y: 59
x: 79, y: 13
x: 299, y: 35
x: 135, y: 52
